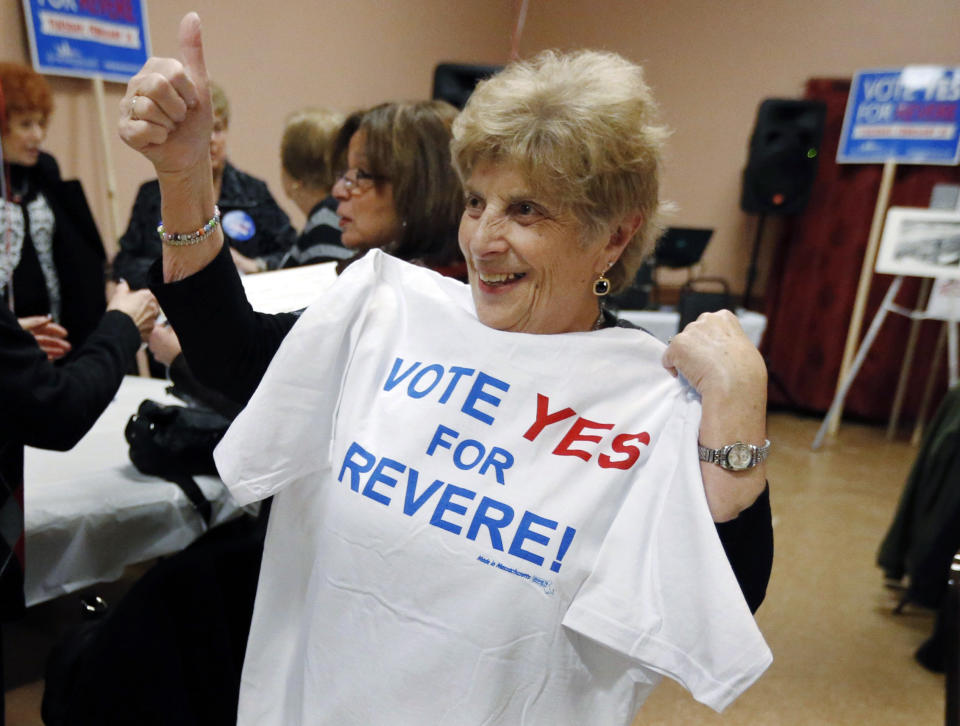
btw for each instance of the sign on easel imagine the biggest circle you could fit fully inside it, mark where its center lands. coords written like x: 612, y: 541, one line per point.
x: 88, y: 38
x: 907, y: 116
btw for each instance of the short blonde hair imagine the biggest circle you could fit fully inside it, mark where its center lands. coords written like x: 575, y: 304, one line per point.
x: 220, y: 103
x: 581, y: 128
x: 306, y: 149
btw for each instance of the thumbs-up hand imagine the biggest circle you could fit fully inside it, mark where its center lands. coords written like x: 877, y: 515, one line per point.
x: 165, y: 113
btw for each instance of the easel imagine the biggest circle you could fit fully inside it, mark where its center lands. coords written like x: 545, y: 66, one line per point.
x: 888, y: 306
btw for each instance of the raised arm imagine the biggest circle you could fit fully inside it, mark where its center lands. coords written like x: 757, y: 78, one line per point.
x: 166, y: 115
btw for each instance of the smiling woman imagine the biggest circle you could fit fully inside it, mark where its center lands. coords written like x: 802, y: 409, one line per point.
x: 567, y: 153
x: 530, y: 260
x: 491, y: 491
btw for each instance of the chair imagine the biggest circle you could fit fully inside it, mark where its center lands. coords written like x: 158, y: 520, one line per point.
x: 702, y: 295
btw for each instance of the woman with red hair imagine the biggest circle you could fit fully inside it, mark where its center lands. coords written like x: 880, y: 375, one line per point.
x: 51, y: 256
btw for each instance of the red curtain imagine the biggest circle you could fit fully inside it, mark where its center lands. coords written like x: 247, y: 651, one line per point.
x: 813, y: 284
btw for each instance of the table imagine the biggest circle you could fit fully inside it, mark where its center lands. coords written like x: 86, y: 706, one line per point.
x: 663, y: 323
x: 89, y: 513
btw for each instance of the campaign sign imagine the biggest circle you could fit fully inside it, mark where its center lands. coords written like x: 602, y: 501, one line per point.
x: 908, y: 116
x: 88, y: 38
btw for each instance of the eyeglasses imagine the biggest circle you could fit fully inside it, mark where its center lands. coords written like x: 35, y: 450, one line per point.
x: 357, y: 181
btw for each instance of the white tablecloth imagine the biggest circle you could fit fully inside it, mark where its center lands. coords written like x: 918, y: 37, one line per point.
x: 90, y: 513
x: 663, y: 323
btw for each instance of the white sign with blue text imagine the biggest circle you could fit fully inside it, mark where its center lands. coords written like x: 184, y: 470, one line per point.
x: 908, y: 115
x: 88, y: 38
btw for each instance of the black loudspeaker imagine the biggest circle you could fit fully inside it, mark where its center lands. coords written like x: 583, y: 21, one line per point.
x: 454, y: 82
x: 784, y: 152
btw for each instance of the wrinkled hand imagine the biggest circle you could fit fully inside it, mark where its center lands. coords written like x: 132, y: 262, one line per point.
x: 166, y: 113
x: 164, y: 344
x: 717, y: 358
x: 51, y: 337
x: 140, y: 305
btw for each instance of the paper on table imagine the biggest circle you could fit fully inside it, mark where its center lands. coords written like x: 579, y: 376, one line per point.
x: 281, y: 291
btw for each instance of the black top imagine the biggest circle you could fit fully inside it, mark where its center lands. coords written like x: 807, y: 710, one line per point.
x: 50, y: 407
x: 252, y: 222
x: 78, y: 254
x: 319, y: 241
x: 229, y: 346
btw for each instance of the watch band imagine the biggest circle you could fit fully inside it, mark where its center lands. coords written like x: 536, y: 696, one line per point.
x: 737, y: 456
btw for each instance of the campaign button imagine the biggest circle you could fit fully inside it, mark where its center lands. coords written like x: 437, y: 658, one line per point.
x: 238, y: 225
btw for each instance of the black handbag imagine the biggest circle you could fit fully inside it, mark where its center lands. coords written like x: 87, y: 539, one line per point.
x: 176, y: 443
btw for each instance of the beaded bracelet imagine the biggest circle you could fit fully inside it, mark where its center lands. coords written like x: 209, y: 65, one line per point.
x: 190, y: 238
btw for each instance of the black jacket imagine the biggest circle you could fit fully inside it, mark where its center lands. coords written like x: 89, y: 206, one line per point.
x: 219, y: 332
x: 271, y: 234
x: 50, y: 407
x: 925, y: 532
x: 78, y: 253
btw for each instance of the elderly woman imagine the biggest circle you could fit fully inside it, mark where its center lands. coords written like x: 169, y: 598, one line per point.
x: 487, y: 504
x: 51, y: 256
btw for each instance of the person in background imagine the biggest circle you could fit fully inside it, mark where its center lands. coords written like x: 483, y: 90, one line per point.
x: 52, y: 407
x: 398, y: 191
x: 256, y: 228
x: 51, y: 255
x: 307, y: 175
x: 560, y: 163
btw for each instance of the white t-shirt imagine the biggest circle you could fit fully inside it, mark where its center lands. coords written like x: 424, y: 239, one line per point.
x: 476, y: 527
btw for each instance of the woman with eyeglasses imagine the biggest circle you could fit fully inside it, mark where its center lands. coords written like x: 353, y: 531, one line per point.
x: 399, y: 192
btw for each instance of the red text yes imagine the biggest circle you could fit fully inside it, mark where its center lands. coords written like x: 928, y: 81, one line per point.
x: 624, y: 449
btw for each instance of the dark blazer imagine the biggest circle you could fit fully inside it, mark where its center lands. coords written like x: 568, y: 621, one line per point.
x: 78, y: 253
x: 50, y: 407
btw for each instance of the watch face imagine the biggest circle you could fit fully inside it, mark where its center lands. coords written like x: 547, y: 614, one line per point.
x: 739, y: 457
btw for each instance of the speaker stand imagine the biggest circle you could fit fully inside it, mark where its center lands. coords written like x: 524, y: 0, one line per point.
x: 752, y: 270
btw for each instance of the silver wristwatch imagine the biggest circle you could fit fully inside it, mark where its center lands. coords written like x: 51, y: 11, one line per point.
x: 735, y: 457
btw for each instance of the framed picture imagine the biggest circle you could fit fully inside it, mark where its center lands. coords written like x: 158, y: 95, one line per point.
x: 920, y: 243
